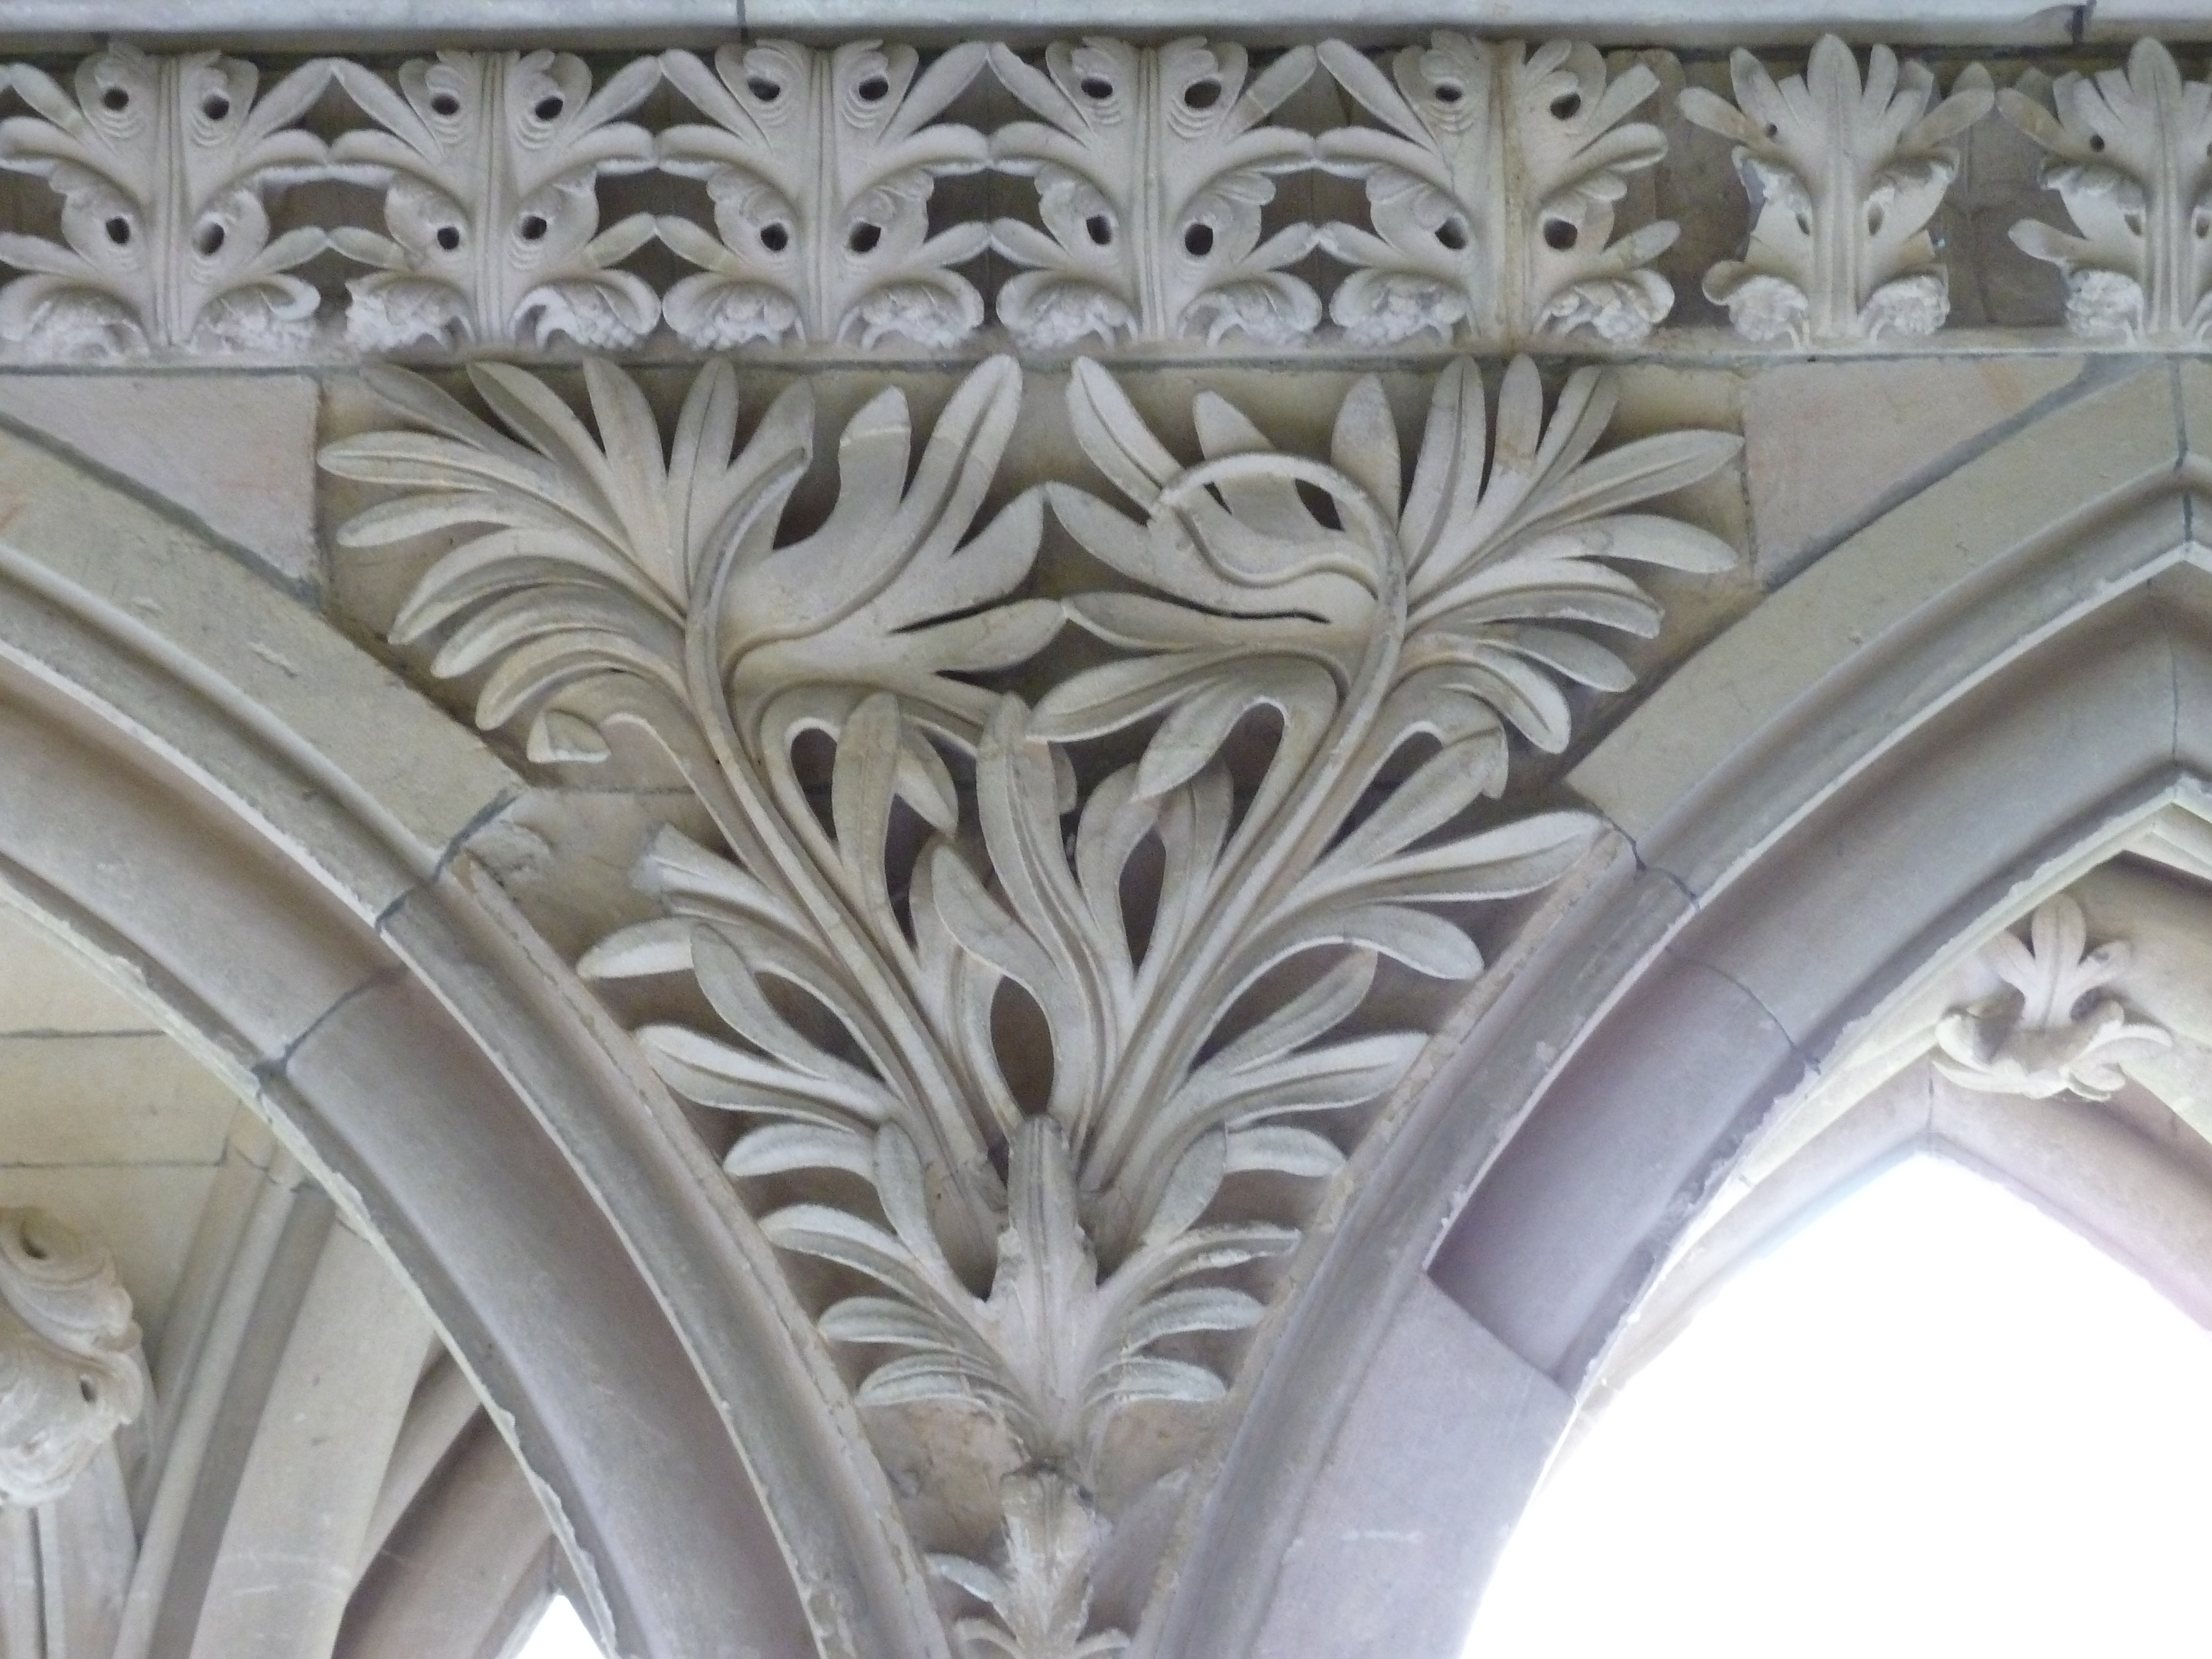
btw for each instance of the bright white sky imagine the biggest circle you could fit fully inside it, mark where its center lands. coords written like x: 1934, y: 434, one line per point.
x: 1933, y: 1423
x: 560, y: 1635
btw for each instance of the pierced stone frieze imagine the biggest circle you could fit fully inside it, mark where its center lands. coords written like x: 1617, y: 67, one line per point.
x: 821, y: 165
x: 70, y: 1376
x: 490, y: 162
x: 1152, y: 168
x: 2130, y: 155
x: 1491, y: 183
x: 1195, y: 928
x: 2050, y: 1033
x: 162, y: 164
x: 1844, y: 176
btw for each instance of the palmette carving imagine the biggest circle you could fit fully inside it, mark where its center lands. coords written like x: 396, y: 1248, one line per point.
x: 162, y: 164
x: 490, y: 162
x: 2050, y: 1033
x: 821, y: 165
x: 1491, y: 184
x: 2130, y: 155
x: 1844, y: 177
x: 70, y: 1374
x: 1152, y: 168
x: 1045, y: 1256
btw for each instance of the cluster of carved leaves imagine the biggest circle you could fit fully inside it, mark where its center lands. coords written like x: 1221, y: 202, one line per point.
x: 71, y: 1372
x: 821, y: 165
x: 1046, y: 1256
x: 2051, y: 1032
x: 2130, y: 155
x: 162, y: 165
x: 1153, y: 167
x: 1845, y: 175
x: 1491, y: 183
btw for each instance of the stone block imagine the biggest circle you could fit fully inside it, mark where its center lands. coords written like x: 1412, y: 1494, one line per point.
x: 236, y: 452
x: 128, y: 1099
x: 1828, y: 445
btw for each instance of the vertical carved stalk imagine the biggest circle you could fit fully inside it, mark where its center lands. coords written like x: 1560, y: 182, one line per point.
x: 1844, y: 177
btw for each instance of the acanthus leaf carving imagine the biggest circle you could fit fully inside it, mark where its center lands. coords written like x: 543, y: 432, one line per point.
x: 490, y: 162
x: 2130, y: 155
x: 1048, y: 1256
x: 2051, y: 1033
x: 162, y: 164
x: 1491, y: 183
x: 1844, y: 176
x: 1151, y: 167
x: 821, y: 166
x: 70, y: 1370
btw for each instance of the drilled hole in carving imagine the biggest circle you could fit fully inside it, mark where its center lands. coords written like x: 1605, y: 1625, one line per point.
x: 1319, y: 502
x: 1099, y: 228
x: 1560, y: 235
x: 1453, y: 234
x: 1202, y: 94
x: 1567, y: 107
x: 763, y: 89
x: 85, y: 1390
x: 549, y: 109
x: 1449, y: 92
x: 2134, y: 220
x: 1875, y: 219
x: 119, y: 231
x: 445, y: 103
x: 208, y: 238
x: 1097, y: 87
x: 2097, y: 141
x: 115, y: 98
x: 864, y: 237
x: 1198, y: 241
x: 34, y: 1247
x: 776, y: 237
x: 215, y: 106
x: 448, y: 238
x: 2202, y: 225
x: 874, y: 89
x: 534, y: 227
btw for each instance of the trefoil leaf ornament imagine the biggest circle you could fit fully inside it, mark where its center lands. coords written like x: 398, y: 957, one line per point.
x: 490, y: 162
x: 2051, y: 1032
x: 1151, y: 167
x: 2130, y: 155
x: 821, y: 165
x: 1844, y: 176
x: 163, y: 165
x: 1043, y: 1255
x: 1492, y: 182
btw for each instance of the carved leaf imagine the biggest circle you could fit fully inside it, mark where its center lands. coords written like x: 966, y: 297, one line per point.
x: 70, y: 1373
x: 2130, y: 155
x: 490, y: 162
x: 1491, y: 184
x: 1846, y: 176
x: 1040, y: 1594
x: 1151, y: 167
x: 821, y: 165
x: 162, y: 164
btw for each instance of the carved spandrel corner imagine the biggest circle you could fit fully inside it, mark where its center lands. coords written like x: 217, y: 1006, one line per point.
x: 70, y: 1372
x: 2054, y: 1031
x: 1844, y: 174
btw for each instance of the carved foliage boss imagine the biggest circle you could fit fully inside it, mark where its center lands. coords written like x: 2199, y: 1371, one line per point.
x: 1194, y: 913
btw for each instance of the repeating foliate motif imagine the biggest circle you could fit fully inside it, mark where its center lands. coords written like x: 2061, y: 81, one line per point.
x: 1844, y: 176
x: 488, y: 161
x: 162, y: 164
x: 1152, y: 168
x: 2050, y: 1033
x: 821, y: 165
x: 69, y: 1371
x: 1491, y: 184
x: 1195, y: 927
x: 2131, y: 155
